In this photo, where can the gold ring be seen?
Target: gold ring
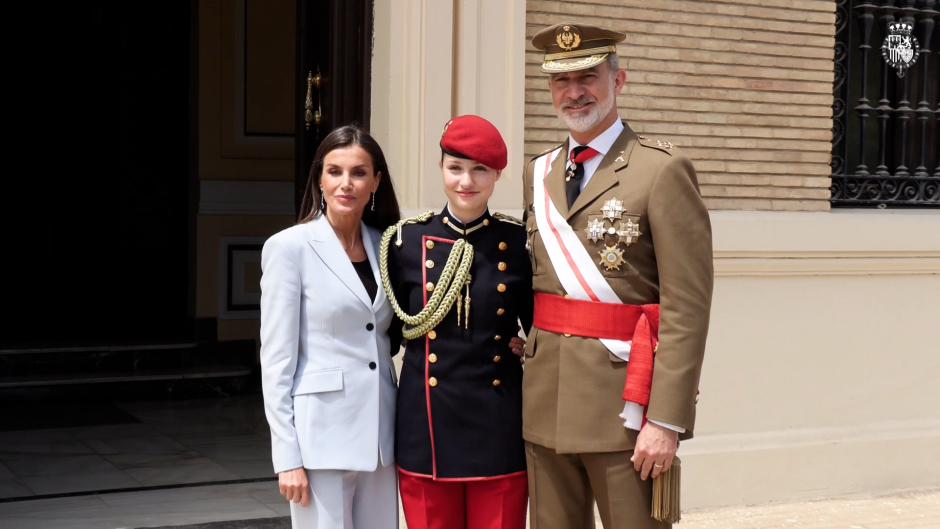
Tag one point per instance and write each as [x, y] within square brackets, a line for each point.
[657, 465]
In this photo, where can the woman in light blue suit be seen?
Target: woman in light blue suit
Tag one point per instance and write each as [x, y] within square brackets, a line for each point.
[327, 374]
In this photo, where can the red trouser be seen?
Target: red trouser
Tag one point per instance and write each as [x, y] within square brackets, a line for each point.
[498, 503]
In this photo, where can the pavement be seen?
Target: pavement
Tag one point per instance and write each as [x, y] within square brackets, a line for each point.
[908, 510]
[911, 510]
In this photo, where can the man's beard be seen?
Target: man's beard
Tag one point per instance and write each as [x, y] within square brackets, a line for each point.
[586, 122]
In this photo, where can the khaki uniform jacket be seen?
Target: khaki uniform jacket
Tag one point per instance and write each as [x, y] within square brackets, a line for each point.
[573, 386]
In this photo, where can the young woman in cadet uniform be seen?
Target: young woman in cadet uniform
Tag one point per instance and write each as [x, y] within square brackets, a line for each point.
[461, 281]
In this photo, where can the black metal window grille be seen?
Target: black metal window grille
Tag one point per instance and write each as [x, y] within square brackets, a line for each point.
[885, 140]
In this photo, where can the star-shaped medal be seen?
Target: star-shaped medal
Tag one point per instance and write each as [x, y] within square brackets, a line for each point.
[629, 231]
[613, 209]
[611, 257]
[595, 230]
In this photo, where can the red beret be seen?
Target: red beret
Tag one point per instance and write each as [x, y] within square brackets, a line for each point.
[475, 138]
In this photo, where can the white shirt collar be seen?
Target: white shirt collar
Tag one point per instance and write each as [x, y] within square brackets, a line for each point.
[603, 141]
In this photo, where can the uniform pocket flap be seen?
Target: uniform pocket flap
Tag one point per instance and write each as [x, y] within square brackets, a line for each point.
[319, 381]
[529, 350]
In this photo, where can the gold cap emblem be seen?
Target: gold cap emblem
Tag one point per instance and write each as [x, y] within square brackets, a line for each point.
[568, 37]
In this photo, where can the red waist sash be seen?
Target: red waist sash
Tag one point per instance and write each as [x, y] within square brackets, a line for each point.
[616, 321]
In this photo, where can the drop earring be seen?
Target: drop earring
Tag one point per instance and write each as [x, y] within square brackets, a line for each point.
[373, 201]
[322, 201]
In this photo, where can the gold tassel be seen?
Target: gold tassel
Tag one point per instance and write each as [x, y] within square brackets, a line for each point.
[459, 306]
[466, 319]
[665, 506]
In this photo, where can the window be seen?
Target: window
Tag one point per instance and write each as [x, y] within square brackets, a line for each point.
[885, 139]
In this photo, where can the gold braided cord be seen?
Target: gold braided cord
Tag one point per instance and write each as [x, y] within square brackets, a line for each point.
[454, 276]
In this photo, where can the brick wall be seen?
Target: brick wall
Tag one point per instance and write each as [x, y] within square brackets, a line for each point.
[743, 87]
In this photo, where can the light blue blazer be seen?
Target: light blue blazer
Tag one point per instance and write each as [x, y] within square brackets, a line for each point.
[327, 376]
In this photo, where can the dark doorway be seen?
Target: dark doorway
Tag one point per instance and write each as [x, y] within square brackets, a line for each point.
[335, 41]
[108, 256]
[104, 250]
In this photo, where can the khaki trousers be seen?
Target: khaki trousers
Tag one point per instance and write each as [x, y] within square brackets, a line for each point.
[564, 487]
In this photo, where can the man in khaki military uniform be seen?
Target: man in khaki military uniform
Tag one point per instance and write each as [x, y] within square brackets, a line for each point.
[620, 242]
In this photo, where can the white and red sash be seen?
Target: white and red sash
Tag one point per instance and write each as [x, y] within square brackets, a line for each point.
[575, 267]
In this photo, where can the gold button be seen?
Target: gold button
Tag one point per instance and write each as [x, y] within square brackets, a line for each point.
[432, 358]
[502, 266]
[429, 287]
[500, 311]
[497, 359]
[497, 337]
[486, 222]
[432, 334]
[445, 220]
[429, 245]
[432, 382]
[503, 246]
[429, 263]
[567, 335]
[501, 287]
[497, 382]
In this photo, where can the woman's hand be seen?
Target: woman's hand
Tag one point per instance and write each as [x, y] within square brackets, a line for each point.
[517, 346]
[294, 486]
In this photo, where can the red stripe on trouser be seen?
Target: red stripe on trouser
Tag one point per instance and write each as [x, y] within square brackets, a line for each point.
[491, 504]
[616, 321]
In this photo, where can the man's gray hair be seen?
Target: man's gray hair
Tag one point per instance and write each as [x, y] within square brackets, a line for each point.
[613, 62]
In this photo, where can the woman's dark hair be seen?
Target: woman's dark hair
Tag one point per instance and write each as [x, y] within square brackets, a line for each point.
[386, 205]
[455, 154]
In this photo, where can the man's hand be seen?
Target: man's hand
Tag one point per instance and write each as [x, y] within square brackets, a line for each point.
[294, 486]
[655, 448]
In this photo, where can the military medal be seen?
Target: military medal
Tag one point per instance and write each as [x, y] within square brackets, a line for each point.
[629, 231]
[611, 258]
[617, 226]
[595, 230]
[613, 209]
[569, 173]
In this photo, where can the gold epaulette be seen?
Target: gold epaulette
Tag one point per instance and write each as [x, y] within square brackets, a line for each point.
[666, 146]
[420, 218]
[417, 219]
[507, 218]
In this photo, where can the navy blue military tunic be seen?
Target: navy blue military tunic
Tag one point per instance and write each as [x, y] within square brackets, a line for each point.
[459, 411]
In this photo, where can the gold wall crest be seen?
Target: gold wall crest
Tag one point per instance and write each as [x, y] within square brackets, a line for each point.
[568, 37]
